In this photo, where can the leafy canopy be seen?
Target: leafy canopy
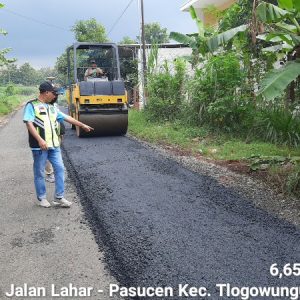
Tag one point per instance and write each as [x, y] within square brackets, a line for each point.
[155, 34]
[3, 52]
[89, 31]
[127, 41]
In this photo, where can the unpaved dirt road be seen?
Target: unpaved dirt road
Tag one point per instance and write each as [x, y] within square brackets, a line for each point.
[160, 224]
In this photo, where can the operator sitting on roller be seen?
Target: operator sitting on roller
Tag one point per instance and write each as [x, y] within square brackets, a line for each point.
[93, 71]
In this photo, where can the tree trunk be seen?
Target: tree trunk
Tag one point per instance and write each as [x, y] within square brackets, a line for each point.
[254, 23]
[291, 94]
[253, 53]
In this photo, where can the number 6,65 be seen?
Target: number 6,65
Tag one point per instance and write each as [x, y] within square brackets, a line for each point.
[287, 270]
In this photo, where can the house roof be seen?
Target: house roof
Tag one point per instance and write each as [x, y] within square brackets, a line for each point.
[167, 45]
[202, 4]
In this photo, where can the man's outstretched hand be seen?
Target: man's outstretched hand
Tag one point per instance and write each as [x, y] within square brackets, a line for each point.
[87, 128]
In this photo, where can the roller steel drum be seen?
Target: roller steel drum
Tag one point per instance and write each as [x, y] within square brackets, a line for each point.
[103, 124]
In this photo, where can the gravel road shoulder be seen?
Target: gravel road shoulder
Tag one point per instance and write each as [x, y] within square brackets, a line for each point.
[283, 206]
[41, 246]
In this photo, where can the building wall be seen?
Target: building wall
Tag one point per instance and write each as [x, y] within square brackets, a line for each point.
[170, 54]
[164, 55]
[209, 19]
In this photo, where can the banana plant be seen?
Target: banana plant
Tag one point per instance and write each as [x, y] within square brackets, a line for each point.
[206, 42]
[284, 33]
[196, 41]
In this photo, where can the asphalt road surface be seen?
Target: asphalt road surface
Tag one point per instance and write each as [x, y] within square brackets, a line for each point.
[160, 224]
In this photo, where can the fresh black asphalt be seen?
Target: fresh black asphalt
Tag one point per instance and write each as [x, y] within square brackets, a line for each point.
[161, 224]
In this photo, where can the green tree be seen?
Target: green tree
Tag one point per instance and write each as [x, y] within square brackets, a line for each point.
[3, 52]
[89, 31]
[7, 73]
[127, 40]
[61, 67]
[84, 31]
[155, 34]
[11, 73]
[27, 75]
[43, 73]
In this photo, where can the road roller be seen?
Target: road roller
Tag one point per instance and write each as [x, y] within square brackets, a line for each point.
[96, 93]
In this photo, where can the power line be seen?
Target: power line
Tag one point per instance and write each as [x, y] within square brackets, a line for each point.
[119, 18]
[34, 20]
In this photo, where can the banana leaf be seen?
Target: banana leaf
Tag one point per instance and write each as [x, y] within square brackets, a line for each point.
[277, 48]
[296, 5]
[286, 4]
[275, 37]
[265, 37]
[280, 37]
[200, 24]
[193, 13]
[276, 81]
[222, 38]
[288, 27]
[295, 38]
[183, 39]
[270, 13]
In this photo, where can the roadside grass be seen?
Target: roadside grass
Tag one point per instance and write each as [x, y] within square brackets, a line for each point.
[276, 164]
[20, 95]
[201, 140]
[9, 103]
[168, 133]
[235, 149]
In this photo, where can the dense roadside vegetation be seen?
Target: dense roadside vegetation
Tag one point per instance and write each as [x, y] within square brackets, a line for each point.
[241, 101]
[24, 74]
[12, 96]
[236, 98]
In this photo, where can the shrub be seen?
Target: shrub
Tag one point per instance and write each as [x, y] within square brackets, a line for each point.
[10, 90]
[166, 92]
[27, 91]
[278, 126]
[293, 181]
[218, 94]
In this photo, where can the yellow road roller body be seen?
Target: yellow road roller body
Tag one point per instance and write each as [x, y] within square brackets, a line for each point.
[100, 102]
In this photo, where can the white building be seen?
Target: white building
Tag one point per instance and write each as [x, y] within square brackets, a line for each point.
[166, 53]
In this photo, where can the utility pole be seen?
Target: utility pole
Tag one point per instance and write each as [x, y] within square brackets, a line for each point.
[8, 69]
[143, 48]
[143, 40]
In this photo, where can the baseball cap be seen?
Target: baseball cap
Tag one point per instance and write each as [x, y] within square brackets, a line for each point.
[93, 61]
[47, 87]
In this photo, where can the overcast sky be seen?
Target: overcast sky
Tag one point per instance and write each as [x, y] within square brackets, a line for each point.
[40, 45]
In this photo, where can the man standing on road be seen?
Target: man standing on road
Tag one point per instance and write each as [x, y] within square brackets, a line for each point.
[61, 131]
[41, 121]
